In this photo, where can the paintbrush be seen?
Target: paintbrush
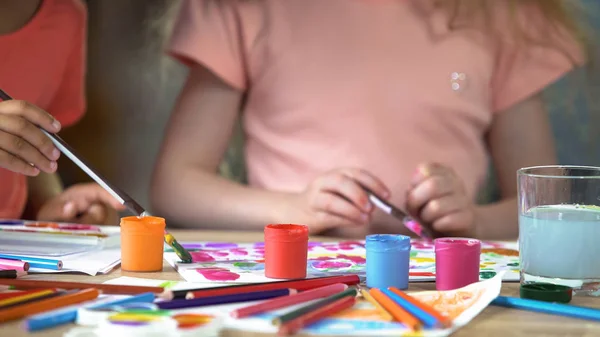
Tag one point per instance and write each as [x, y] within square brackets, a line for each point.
[118, 194]
[390, 209]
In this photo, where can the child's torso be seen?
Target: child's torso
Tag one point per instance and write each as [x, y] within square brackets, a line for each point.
[368, 84]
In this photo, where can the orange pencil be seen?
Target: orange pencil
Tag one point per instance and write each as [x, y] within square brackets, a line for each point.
[25, 297]
[423, 306]
[395, 310]
[27, 309]
[114, 289]
[384, 313]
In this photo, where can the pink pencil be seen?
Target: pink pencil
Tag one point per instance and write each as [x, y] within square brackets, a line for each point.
[286, 301]
[14, 265]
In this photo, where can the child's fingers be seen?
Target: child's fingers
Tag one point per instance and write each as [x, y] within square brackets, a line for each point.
[89, 193]
[432, 188]
[30, 112]
[438, 208]
[453, 223]
[327, 203]
[425, 171]
[330, 220]
[368, 180]
[347, 188]
[95, 214]
[16, 164]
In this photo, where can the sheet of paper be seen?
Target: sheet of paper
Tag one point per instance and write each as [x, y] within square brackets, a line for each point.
[244, 263]
[92, 263]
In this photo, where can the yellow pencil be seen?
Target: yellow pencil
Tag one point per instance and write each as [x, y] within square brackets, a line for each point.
[30, 296]
[384, 313]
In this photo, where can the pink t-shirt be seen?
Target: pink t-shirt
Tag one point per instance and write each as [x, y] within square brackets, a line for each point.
[43, 63]
[380, 85]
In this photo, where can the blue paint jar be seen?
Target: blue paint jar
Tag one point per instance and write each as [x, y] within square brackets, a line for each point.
[388, 261]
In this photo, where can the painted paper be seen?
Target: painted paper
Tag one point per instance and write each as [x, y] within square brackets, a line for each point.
[244, 263]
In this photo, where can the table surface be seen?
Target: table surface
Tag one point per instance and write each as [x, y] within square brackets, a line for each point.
[493, 321]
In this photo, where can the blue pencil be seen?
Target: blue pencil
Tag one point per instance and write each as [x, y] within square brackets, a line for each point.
[548, 307]
[427, 319]
[224, 299]
[35, 262]
[69, 314]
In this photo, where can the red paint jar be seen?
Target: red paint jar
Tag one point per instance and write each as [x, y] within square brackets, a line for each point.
[286, 251]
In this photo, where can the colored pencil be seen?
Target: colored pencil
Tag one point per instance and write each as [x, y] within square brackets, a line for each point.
[21, 298]
[300, 285]
[9, 294]
[217, 300]
[11, 274]
[395, 310]
[14, 265]
[425, 318]
[445, 321]
[35, 262]
[350, 292]
[69, 315]
[559, 309]
[287, 301]
[39, 298]
[384, 313]
[307, 319]
[48, 304]
[104, 288]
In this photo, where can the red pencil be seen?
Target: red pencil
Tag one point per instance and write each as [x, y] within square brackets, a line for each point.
[297, 324]
[300, 285]
[286, 301]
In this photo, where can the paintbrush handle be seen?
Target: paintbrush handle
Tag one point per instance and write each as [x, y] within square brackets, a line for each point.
[118, 194]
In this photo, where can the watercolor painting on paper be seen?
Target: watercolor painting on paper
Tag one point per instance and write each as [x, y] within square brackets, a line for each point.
[244, 262]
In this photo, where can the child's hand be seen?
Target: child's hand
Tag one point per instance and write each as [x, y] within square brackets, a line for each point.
[82, 203]
[437, 198]
[24, 148]
[335, 199]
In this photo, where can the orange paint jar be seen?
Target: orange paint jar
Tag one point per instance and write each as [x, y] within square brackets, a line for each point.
[286, 251]
[142, 243]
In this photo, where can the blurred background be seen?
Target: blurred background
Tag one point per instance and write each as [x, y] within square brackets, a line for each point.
[129, 102]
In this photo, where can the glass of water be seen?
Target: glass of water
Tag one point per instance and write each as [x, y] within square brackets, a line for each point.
[559, 226]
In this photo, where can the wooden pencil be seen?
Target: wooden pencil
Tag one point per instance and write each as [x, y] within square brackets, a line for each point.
[300, 285]
[395, 310]
[25, 297]
[309, 318]
[224, 299]
[384, 313]
[21, 311]
[445, 321]
[115, 289]
[286, 301]
[282, 319]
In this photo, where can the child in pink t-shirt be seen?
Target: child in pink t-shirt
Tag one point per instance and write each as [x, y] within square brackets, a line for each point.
[42, 62]
[409, 98]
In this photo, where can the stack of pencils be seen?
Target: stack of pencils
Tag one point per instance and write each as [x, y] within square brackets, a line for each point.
[13, 266]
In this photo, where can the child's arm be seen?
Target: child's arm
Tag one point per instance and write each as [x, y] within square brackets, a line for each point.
[519, 137]
[187, 189]
[185, 186]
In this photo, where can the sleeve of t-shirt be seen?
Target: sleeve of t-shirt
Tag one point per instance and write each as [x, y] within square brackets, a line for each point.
[526, 67]
[69, 103]
[209, 33]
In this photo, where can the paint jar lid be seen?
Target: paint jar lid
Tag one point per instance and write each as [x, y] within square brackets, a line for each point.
[456, 245]
[143, 225]
[547, 292]
[387, 243]
[286, 232]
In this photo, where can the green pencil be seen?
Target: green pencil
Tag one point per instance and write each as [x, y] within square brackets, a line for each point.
[311, 307]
